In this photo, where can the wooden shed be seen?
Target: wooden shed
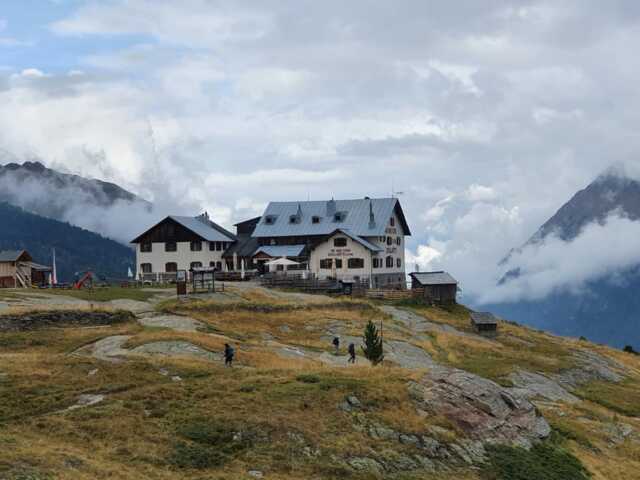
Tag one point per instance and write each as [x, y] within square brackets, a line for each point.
[17, 270]
[484, 323]
[439, 287]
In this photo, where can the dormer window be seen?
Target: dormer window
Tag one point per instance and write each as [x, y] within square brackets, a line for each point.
[339, 216]
[270, 219]
[315, 219]
[340, 242]
[294, 219]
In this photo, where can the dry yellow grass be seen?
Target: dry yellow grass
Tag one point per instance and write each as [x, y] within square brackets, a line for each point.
[132, 434]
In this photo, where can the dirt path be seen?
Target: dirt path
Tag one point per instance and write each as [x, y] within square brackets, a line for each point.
[418, 324]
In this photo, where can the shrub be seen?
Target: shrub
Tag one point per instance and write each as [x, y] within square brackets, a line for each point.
[190, 455]
[308, 378]
[630, 349]
[544, 461]
[209, 444]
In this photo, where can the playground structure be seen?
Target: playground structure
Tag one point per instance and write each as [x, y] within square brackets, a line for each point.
[85, 280]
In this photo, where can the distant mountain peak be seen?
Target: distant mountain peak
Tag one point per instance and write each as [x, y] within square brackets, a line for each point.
[606, 308]
[612, 191]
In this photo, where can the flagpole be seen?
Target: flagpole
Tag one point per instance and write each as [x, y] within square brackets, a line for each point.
[54, 273]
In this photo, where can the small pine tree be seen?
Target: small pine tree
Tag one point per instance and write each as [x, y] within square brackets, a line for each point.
[372, 348]
[630, 349]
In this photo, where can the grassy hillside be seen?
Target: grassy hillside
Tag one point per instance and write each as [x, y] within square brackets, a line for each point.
[286, 409]
[76, 249]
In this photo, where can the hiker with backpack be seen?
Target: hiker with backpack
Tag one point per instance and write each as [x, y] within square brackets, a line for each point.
[228, 355]
[336, 344]
[352, 353]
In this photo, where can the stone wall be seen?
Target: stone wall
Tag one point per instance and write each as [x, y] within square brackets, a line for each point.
[61, 318]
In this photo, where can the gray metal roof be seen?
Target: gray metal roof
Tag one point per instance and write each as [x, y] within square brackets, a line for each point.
[360, 240]
[208, 230]
[40, 268]
[242, 247]
[12, 255]
[281, 250]
[483, 318]
[434, 278]
[356, 217]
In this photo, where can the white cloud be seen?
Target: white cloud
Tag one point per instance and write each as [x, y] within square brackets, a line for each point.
[32, 72]
[422, 259]
[192, 23]
[272, 179]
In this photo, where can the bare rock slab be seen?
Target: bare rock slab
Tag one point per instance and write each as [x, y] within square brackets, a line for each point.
[173, 349]
[87, 401]
[173, 322]
[486, 411]
[535, 385]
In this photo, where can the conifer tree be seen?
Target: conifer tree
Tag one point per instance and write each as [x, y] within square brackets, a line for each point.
[372, 348]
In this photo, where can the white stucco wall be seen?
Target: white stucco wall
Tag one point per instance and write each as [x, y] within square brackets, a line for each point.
[352, 250]
[396, 251]
[183, 256]
[356, 250]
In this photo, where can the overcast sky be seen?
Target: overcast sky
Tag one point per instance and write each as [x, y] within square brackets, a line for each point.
[487, 115]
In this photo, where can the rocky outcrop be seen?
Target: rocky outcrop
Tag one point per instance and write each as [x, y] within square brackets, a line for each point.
[484, 410]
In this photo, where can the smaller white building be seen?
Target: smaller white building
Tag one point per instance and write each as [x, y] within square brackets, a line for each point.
[180, 243]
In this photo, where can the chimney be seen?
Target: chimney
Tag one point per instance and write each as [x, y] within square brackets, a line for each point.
[372, 218]
[331, 208]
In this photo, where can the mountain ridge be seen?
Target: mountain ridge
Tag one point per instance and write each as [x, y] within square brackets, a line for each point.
[77, 249]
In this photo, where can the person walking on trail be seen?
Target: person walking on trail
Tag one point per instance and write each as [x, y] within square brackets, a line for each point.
[228, 355]
[336, 344]
[352, 353]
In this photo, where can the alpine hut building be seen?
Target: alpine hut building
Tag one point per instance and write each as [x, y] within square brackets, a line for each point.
[350, 240]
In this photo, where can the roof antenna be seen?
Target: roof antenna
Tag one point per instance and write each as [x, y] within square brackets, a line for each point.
[393, 192]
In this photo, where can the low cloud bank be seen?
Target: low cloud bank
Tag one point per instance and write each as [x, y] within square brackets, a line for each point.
[120, 220]
[555, 265]
[469, 233]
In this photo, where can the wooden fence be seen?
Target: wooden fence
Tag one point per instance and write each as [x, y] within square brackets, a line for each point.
[388, 294]
[309, 284]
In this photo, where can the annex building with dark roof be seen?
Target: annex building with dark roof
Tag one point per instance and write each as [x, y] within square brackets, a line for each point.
[180, 243]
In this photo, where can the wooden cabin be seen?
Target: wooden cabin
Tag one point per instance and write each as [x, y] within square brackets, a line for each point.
[439, 287]
[484, 323]
[17, 270]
